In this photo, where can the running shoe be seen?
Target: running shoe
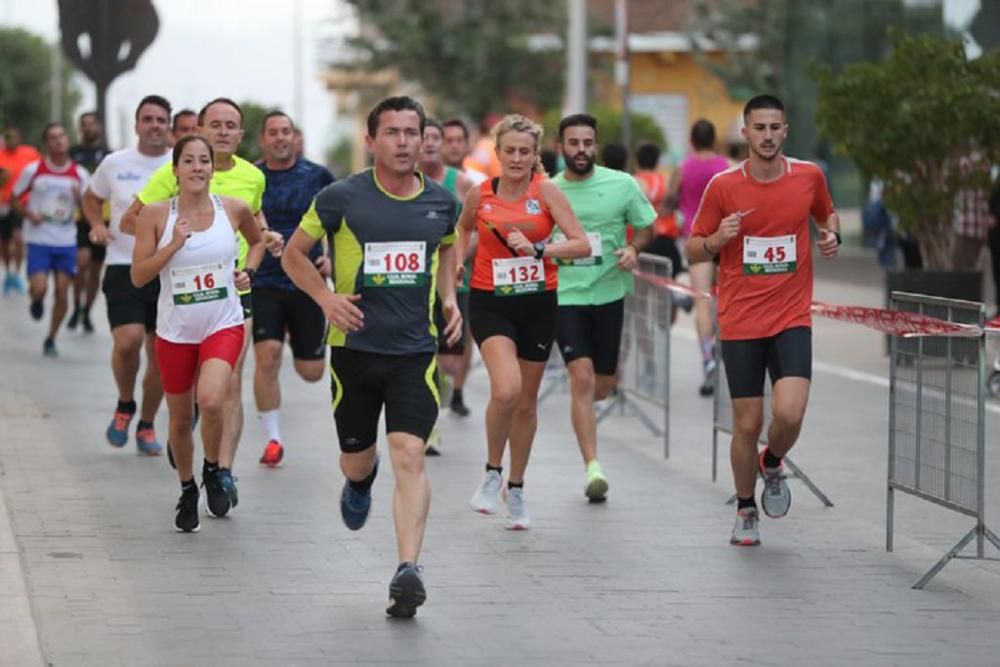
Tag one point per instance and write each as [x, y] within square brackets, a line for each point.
[776, 498]
[707, 387]
[486, 499]
[406, 591]
[186, 520]
[228, 484]
[432, 448]
[117, 433]
[19, 285]
[355, 505]
[517, 512]
[458, 406]
[597, 484]
[273, 454]
[217, 500]
[74, 319]
[145, 440]
[88, 326]
[37, 309]
[49, 348]
[8, 283]
[745, 533]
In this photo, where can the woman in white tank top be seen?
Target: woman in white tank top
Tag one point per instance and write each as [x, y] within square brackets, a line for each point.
[190, 242]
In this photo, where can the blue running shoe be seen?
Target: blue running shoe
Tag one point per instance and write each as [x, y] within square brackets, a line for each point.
[145, 440]
[228, 485]
[8, 283]
[117, 433]
[355, 505]
[406, 591]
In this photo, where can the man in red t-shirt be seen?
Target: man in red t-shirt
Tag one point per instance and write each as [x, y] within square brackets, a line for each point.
[755, 217]
[14, 157]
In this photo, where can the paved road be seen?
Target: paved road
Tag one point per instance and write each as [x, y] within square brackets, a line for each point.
[646, 579]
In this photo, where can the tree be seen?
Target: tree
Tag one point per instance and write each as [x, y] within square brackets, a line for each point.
[26, 85]
[906, 120]
[471, 56]
[253, 116]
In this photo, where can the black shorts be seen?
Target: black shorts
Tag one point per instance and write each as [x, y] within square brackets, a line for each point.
[277, 311]
[664, 246]
[594, 332]
[246, 301]
[97, 252]
[463, 307]
[128, 304]
[362, 382]
[8, 224]
[527, 319]
[787, 354]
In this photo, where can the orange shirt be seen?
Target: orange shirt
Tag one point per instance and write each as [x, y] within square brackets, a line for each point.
[654, 186]
[15, 161]
[766, 272]
[528, 215]
[483, 157]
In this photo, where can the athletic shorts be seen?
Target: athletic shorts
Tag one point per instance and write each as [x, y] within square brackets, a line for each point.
[276, 311]
[97, 252]
[664, 246]
[179, 362]
[594, 332]
[463, 306]
[128, 304]
[527, 319]
[787, 354]
[246, 301]
[8, 224]
[46, 258]
[363, 382]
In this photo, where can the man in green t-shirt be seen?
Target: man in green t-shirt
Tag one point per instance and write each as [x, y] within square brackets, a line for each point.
[592, 289]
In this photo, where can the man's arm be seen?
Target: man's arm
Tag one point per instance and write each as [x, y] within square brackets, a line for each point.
[130, 217]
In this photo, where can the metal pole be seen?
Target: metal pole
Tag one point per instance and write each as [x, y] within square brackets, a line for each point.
[622, 70]
[576, 58]
[55, 83]
[890, 499]
[297, 105]
[981, 436]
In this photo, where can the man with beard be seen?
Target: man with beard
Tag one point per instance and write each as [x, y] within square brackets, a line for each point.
[592, 289]
[280, 307]
[755, 217]
[131, 310]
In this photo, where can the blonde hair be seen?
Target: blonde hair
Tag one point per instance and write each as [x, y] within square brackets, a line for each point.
[518, 123]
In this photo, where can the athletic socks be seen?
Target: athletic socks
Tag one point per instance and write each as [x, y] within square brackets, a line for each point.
[364, 484]
[512, 485]
[498, 469]
[127, 407]
[143, 425]
[743, 503]
[271, 424]
[770, 460]
[707, 349]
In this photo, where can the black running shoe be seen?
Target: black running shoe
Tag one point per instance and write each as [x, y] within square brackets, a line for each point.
[74, 319]
[49, 348]
[88, 326]
[459, 408]
[217, 500]
[228, 484]
[186, 520]
[406, 591]
[37, 309]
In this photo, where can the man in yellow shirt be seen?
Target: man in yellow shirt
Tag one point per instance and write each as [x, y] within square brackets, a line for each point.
[221, 122]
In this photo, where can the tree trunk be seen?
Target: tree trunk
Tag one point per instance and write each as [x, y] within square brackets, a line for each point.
[934, 238]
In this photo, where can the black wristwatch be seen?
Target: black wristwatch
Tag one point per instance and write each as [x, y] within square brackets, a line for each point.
[250, 273]
[839, 240]
[539, 249]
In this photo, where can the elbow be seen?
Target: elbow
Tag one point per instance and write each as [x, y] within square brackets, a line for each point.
[136, 277]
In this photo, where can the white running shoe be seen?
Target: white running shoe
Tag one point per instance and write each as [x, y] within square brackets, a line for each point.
[486, 499]
[745, 532]
[517, 512]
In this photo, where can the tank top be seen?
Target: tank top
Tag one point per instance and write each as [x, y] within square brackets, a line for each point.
[197, 288]
[496, 267]
[450, 181]
[695, 175]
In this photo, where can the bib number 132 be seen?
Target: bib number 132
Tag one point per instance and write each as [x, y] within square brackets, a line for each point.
[518, 275]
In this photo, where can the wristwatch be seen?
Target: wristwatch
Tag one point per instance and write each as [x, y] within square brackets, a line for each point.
[539, 249]
[250, 273]
[839, 240]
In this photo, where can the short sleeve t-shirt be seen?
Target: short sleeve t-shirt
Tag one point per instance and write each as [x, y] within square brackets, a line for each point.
[766, 272]
[14, 161]
[244, 181]
[605, 204]
[118, 179]
[53, 193]
[385, 249]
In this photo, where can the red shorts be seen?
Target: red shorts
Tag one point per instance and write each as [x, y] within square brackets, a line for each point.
[179, 362]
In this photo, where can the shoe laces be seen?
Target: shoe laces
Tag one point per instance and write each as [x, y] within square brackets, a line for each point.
[772, 480]
[750, 518]
[515, 501]
[122, 420]
[492, 483]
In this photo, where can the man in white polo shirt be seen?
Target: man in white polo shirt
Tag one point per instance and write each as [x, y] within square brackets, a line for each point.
[131, 310]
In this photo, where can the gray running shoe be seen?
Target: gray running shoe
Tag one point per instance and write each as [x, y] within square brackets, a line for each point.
[745, 533]
[486, 499]
[517, 512]
[776, 498]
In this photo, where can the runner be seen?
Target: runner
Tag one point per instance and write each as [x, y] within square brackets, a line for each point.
[279, 307]
[221, 123]
[450, 358]
[52, 185]
[131, 311]
[686, 189]
[189, 243]
[755, 218]
[185, 123]
[455, 148]
[89, 257]
[393, 233]
[513, 303]
[14, 157]
[592, 289]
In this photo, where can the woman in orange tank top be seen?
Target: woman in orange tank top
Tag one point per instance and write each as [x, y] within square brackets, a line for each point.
[512, 303]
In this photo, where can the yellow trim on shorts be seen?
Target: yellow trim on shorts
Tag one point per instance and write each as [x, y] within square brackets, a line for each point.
[339, 395]
[429, 379]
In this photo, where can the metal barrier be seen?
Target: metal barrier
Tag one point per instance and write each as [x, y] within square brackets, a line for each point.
[722, 421]
[937, 421]
[644, 359]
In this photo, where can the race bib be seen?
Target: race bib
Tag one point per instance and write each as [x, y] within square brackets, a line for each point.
[766, 255]
[402, 264]
[199, 284]
[518, 275]
[595, 257]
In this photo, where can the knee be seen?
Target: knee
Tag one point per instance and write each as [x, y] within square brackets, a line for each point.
[505, 397]
[525, 412]
[583, 381]
[129, 345]
[211, 403]
[180, 424]
[311, 372]
[749, 426]
[268, 361]
[409, 459]
[604, 387]
[788, 414]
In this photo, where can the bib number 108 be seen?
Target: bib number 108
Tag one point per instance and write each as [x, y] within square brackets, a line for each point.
[401, 262]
